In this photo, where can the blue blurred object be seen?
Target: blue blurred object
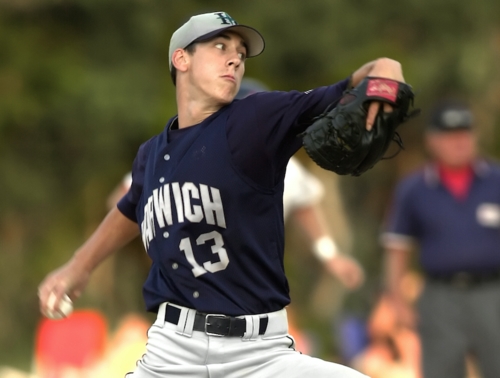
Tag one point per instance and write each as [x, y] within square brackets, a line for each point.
[352, 334]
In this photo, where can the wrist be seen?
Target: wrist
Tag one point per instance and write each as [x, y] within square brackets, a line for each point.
[325, 248]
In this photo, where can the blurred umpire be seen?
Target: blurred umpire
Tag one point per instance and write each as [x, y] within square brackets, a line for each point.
[449, 211]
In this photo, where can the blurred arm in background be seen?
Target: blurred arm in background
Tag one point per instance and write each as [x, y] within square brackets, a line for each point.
[301, 200]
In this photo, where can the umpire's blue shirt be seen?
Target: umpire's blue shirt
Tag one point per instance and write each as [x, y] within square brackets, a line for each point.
[452, 235]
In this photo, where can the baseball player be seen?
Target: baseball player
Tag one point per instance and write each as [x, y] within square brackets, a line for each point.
[207, 201]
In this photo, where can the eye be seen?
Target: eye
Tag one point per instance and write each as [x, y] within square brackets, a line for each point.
[242, 56]
[220, 46]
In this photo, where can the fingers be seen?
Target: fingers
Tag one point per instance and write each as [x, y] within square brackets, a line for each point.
[50, 294]
[52, 290]
[372, 114]
[347, 271]
[373, 110]
[389, 68]
[355, 278]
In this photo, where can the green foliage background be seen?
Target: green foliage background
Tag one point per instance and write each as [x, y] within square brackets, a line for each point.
[83, 83]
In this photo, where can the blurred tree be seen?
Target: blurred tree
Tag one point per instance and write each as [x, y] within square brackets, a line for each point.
[83, 83]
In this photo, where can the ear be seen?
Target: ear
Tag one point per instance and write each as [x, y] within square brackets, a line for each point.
[180, 60]
[430, 142]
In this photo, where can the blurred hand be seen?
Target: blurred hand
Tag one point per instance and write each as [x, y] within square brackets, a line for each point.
[405, 314]
[69, 279]
[347, 270]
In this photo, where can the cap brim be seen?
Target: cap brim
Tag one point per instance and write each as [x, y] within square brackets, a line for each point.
[253, 39]
[447, 129]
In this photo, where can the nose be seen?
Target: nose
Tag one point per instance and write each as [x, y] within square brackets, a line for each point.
[234, 61]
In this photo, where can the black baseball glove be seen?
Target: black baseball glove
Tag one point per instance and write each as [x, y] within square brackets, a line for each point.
[338, 141]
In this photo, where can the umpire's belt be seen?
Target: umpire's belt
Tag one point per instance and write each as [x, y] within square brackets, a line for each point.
[465, 280]
[214, 324]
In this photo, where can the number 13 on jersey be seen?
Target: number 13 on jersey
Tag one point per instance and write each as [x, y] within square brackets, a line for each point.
[217, 248]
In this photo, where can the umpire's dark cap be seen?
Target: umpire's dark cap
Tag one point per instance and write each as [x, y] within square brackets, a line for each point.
[450, 115]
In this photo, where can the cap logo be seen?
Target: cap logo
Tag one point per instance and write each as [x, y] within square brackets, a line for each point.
[456, 118]
[225, 18]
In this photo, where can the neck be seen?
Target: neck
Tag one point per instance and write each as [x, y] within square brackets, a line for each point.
[454, 168]
[194, 111]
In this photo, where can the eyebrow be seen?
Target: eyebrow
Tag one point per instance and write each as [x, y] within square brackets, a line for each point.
[227, 37]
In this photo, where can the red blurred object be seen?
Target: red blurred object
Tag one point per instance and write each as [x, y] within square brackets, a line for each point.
[76, 342]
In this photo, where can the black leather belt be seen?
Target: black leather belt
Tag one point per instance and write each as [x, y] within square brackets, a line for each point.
[465, 279]
[214, 324]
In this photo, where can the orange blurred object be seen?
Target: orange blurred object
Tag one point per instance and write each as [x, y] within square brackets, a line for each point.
[394, 349]
[76, 343]
[125, 346]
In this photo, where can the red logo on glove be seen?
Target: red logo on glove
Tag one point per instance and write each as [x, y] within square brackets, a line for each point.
[382, 88]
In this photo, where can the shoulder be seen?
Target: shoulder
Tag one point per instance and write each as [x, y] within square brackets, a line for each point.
[491, 165]
[146, 146]
[146, 149]
[413, 182]
[258, 98]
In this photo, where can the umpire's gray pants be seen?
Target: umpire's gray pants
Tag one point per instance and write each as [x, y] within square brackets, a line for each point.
[455, 322]
[178, 351]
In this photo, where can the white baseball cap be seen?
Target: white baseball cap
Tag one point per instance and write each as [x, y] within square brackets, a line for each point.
[205, 26]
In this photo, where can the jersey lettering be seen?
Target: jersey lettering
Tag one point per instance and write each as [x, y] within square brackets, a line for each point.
[178, 201]
[192, 203]
[212, 206]
[163, 211]
[193, 212]
[147, 225]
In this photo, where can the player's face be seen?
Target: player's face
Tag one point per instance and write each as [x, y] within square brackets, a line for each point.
[217, 67]
[454, 149]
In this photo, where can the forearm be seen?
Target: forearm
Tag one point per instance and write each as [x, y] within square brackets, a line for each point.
[114, 232]
[312, 221]
[396, 265]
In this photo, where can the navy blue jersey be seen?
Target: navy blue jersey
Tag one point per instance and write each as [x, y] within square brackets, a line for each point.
[209, 203]
[452, 235]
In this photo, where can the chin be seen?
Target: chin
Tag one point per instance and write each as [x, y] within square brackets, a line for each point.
[226, 98]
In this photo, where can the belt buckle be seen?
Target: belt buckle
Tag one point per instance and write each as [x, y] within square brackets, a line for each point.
[220, 316]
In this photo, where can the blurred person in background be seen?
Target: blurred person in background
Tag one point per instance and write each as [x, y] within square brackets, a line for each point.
[450, 212]
[393, 349]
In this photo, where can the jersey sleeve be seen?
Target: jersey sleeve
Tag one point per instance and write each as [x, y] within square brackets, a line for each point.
[401, 228]
[302, 188]
[127, 205]
[263, 128]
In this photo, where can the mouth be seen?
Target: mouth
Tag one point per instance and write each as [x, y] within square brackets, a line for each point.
[229, 77]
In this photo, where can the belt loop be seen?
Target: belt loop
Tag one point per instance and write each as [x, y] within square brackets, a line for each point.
[160, 319]
[186, 322]
[277, 324]
[252, 327]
